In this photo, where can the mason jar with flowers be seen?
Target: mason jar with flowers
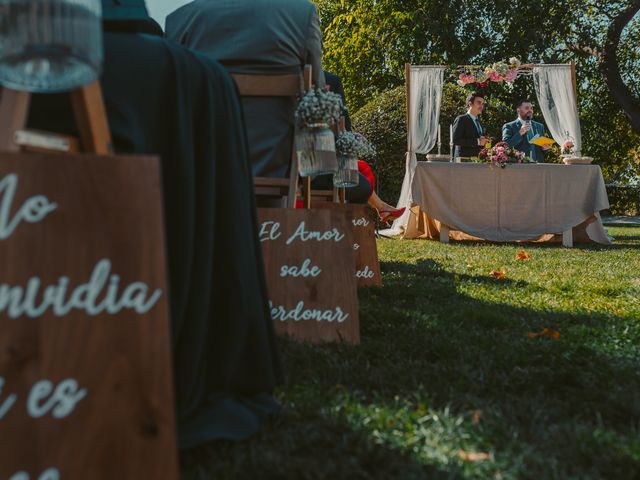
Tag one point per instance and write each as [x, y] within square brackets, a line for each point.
[351, 147]
[315, 142]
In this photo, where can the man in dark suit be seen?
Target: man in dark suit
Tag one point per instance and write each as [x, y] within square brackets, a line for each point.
[259, 37]
[518, 133]
[335, 85]
[468, 134]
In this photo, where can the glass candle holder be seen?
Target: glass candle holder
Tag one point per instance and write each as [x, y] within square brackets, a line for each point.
[50, 46]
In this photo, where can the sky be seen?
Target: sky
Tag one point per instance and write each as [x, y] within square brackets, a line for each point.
[159, 9]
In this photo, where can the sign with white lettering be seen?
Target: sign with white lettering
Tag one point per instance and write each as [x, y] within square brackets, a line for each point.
[310, 273]
[85, 373]
[362, 220]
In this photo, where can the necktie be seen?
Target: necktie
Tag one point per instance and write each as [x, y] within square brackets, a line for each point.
[530, 133]
[478, 126]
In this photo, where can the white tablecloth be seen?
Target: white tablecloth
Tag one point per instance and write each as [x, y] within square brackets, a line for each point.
[518, 202]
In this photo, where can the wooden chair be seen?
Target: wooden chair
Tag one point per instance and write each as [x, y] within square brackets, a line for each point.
[287, 85]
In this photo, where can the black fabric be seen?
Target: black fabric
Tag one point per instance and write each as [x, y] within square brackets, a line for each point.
[335, 86]
[164, 99]
[465, 137]
[128, 16]
[358, 194]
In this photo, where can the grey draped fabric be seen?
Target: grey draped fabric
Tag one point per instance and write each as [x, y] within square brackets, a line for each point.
[263, 37]
[558, 103]
[424, 114]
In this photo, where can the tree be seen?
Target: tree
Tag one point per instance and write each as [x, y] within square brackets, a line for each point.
[607, 57]
[368, 41]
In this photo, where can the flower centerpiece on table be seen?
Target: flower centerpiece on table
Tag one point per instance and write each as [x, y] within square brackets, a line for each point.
[568, 147]
[315, 142]
[501, 153]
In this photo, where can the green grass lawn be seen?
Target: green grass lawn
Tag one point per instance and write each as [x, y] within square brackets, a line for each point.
[447, 383]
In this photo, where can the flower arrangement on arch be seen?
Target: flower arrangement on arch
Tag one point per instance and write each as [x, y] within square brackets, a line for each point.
[498, 72]
[354, 145]
[319, 106]
[500, 154]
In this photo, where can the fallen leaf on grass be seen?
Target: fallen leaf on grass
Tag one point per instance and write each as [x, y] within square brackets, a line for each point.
[554, 334]
[545, 333]
[522, 255]
[473, 456]
[499, 274]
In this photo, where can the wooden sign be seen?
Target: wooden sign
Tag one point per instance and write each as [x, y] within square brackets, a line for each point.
[85, 373]
[310, 274]
[362, 219]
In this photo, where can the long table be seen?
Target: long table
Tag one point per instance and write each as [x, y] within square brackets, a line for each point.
[521, 202]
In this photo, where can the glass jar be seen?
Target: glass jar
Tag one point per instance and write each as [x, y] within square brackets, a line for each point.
[50, 45]
[347, 174]
[316, 150]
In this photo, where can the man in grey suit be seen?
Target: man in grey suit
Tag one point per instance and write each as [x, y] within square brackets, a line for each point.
[518, 133]
[262, 37]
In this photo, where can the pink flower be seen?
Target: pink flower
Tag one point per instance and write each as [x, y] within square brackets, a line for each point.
[495, 77]
[466, 78]
[511, 75]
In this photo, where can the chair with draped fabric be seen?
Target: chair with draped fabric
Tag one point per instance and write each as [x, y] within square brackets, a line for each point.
[286, 85]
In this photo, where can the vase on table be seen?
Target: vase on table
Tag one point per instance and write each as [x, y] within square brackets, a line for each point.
[316, 150]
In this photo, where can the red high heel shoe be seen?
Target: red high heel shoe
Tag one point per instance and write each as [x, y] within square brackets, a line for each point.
[387, 215]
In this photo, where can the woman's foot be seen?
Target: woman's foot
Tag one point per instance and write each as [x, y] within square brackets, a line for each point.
[390, 214]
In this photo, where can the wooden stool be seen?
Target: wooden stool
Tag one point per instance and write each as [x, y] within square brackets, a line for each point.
[90, 116]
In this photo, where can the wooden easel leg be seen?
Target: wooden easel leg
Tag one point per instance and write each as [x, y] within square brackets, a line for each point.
[14, 109]
[307, 192]
[293, 177]
[343, 195]
[91, 119]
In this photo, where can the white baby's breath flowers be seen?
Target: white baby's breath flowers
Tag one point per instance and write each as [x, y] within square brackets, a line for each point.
[354, 145]
[317, 107]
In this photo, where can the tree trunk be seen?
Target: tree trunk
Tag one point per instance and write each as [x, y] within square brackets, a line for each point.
[610, 69]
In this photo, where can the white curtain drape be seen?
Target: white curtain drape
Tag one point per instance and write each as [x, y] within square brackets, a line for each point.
[425, 96]
[558, 103]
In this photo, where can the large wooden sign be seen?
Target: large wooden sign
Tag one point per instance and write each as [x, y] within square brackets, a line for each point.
[362, 219]
[310, 274]
[85, 374]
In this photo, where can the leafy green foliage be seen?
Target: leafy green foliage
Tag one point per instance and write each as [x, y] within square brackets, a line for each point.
[368, 42]
[383, 122]
[446, 366]
[624, 199]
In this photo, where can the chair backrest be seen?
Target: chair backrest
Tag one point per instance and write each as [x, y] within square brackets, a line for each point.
[286, 85]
